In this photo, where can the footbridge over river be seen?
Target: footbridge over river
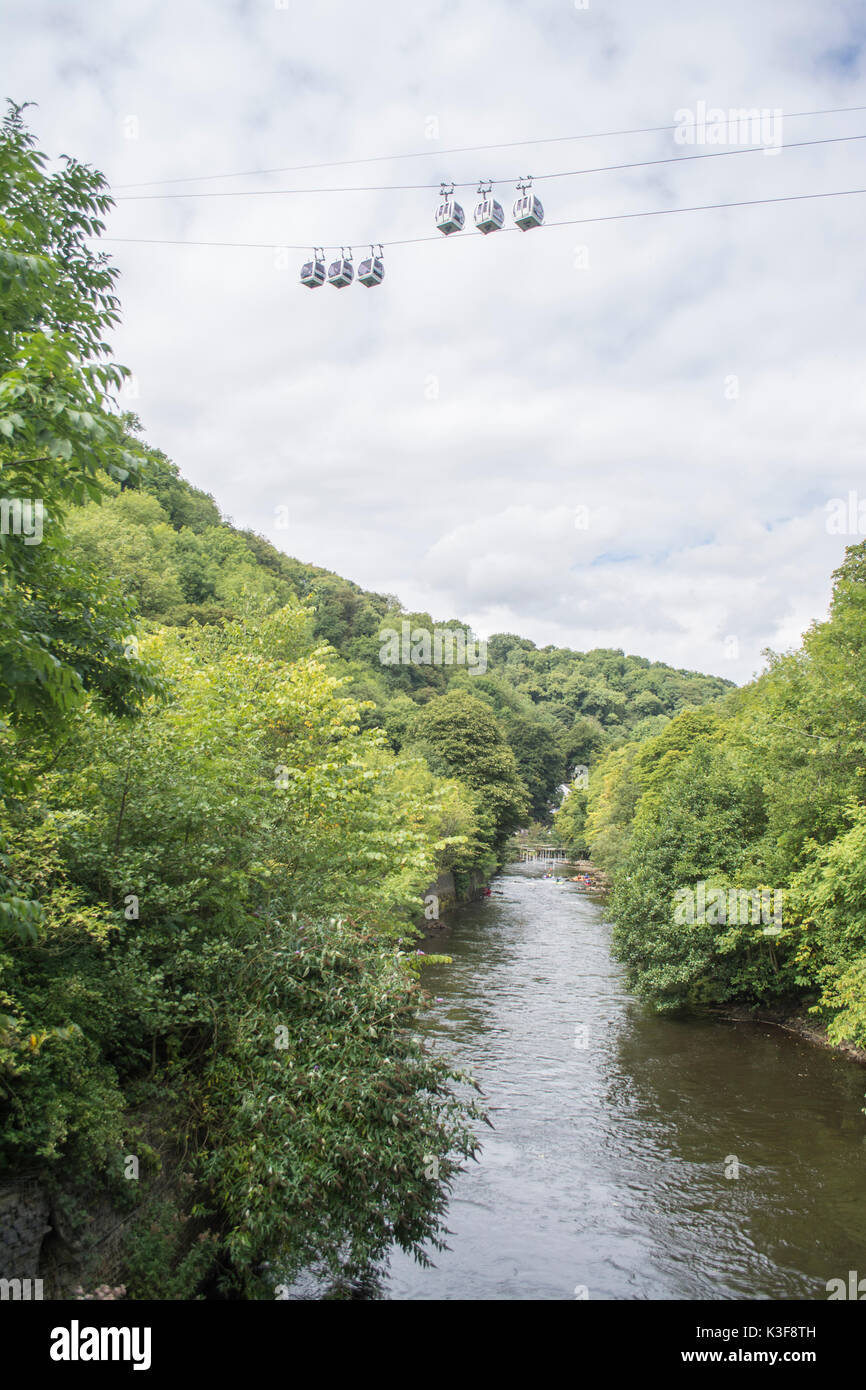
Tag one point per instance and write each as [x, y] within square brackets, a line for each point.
[543, 854]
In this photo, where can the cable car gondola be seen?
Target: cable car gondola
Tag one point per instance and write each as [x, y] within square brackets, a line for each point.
[372, 270]
[527, 210]
[449, 214]
[489, 216]
[341, 272]
[313, 272]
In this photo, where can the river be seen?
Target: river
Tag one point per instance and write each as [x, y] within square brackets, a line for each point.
[610, 1173]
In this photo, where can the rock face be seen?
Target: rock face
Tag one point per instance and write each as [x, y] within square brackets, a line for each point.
[599, 880]
[24, 1224]
[444, 891]
[75, 1239]
[36, 1243]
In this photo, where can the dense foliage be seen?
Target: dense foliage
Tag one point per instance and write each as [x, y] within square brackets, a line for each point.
[230, 866]
[61, 624]
[209, 866]
[761, 793]
[165, 544]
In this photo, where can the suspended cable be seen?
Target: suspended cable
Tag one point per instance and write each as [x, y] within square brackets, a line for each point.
[413, 241]
[467, 149]
[471, 183]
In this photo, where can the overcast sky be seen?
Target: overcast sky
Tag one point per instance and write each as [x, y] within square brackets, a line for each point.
[617, 434]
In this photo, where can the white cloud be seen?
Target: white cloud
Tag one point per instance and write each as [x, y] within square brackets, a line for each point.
[697, 385]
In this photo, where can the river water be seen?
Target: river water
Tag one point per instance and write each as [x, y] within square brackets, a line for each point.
[610, 1171]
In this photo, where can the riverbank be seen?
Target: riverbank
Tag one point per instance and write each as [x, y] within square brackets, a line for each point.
[577, 871]
[799, 1023]
[445, 894]
[599, 880]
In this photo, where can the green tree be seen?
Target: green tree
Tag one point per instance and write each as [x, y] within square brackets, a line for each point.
[61, 632]
[460, 737]
[569, 823]
[538, 754]
[273, 854]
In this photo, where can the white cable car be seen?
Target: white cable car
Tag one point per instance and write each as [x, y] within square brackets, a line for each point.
[527, 210]
[313, 273]
[372, 270]
[489, 216]
[449, 214]
[341, 272]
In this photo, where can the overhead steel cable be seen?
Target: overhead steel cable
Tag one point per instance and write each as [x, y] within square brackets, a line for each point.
[471, 149]
[413, 241]
[472, 183]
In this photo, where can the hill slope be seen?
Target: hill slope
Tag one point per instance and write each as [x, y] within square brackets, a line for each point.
[181, 563]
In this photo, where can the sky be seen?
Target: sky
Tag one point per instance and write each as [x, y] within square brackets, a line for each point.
[630, 433]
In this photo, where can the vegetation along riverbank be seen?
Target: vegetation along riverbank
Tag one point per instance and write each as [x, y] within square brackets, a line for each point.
[754, 799]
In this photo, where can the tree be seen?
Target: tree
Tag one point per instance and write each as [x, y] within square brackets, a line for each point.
[460, 737]
[695, 827]
[569, 823]
[273, 854]
[539, 760]
[61, 631]
[64, 631]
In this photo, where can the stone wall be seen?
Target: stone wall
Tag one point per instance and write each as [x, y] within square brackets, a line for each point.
[36, 1242]
[446, 891]
[75, 1241]
[24, 1224]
